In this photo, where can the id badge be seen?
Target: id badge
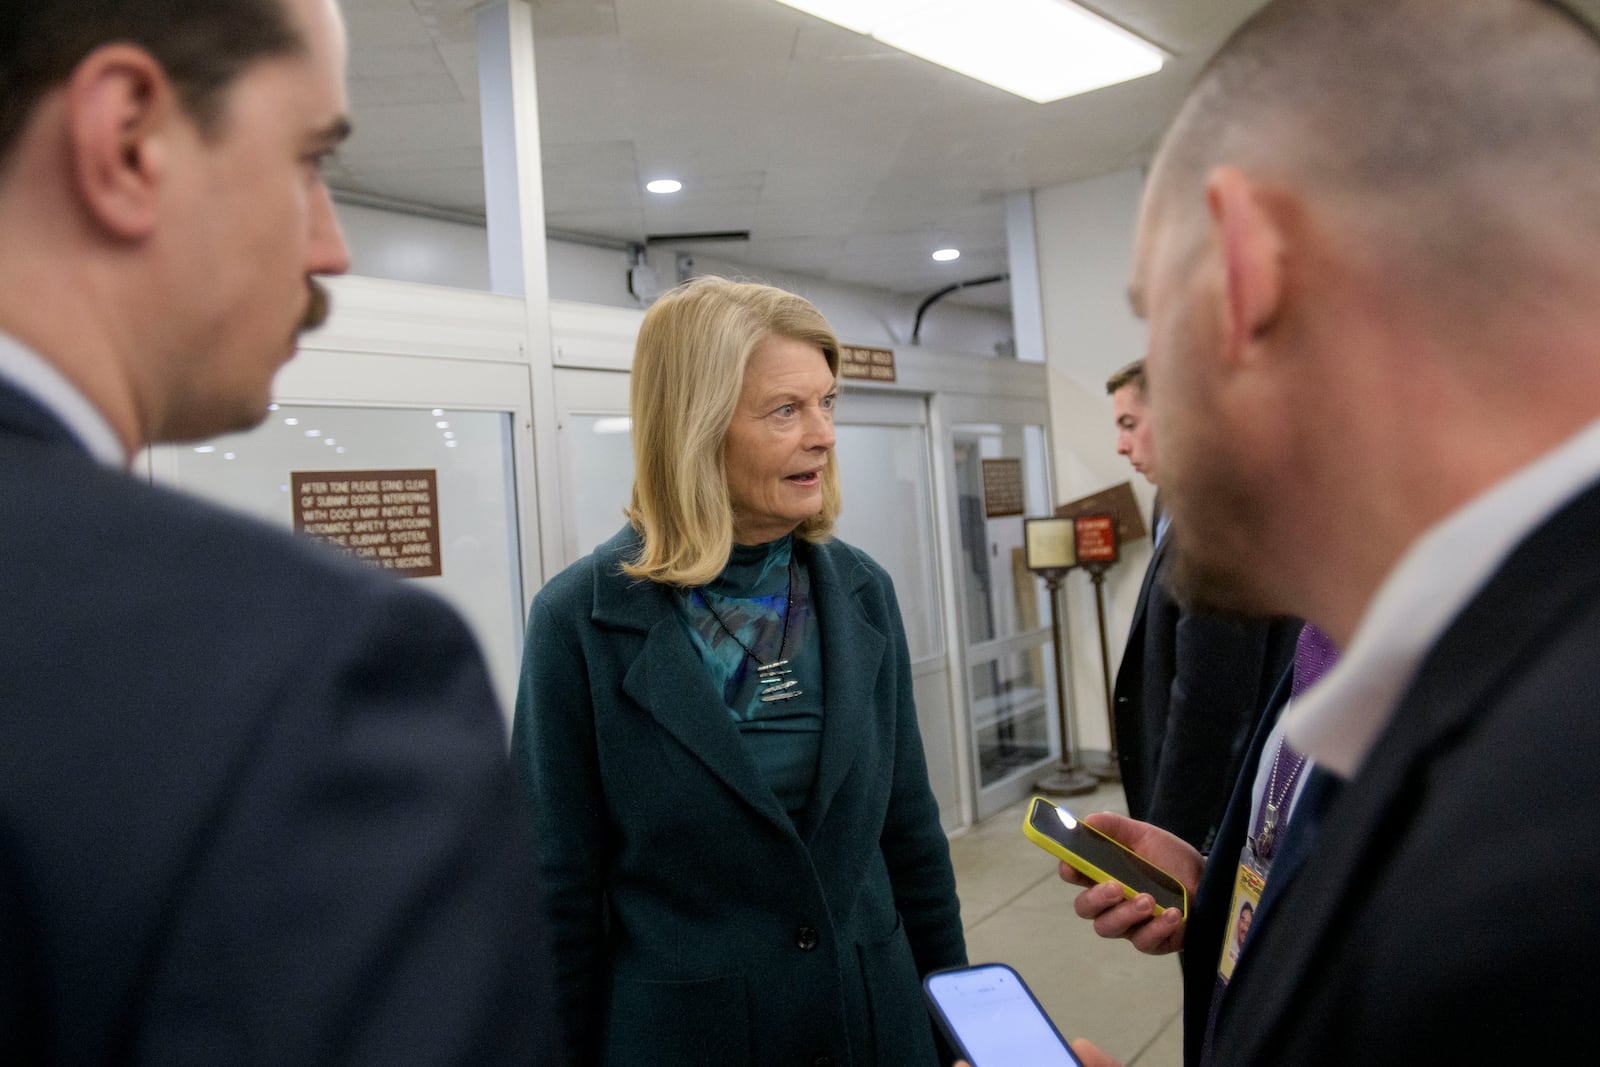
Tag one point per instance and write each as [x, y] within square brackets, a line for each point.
[1241, 912]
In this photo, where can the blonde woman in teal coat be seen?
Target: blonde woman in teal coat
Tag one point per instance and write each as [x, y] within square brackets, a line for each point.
[742, 856]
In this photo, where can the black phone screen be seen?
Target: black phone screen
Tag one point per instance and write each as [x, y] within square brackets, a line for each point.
[995, 1020]
[1133, 871]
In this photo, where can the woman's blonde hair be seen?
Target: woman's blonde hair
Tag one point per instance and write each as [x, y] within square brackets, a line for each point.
[688, 371]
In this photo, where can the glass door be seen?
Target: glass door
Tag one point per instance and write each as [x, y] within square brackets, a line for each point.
[423, 470]
[595, 444]
[886, 477]
[999, 476]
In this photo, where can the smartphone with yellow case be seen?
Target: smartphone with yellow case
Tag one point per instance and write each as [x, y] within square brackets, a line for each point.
[1064, 836]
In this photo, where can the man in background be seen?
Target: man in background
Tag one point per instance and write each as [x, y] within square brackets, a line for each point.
[1368, 255]
[1192, 684]
[254, 804]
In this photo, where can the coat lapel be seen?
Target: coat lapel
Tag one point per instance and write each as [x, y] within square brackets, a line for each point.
[853, 654]
[668, 680]
[1150, 574]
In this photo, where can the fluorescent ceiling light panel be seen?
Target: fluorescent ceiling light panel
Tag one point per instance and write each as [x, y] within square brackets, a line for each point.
[1042, 50]
[863, 16]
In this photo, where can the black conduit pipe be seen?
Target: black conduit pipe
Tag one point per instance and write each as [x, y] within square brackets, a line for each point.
[916, 329]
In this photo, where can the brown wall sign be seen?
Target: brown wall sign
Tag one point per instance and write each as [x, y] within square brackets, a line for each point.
[872, 364]
[388, 517]
[1002, 488]
[1118, 502]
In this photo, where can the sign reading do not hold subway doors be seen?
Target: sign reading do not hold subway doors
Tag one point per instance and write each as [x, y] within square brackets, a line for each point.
[388, 517]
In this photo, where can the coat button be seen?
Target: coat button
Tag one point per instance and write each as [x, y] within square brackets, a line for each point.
[805, 938]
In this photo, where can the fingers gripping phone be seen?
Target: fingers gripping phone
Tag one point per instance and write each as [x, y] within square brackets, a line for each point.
[993, 1019]
[1060, 833]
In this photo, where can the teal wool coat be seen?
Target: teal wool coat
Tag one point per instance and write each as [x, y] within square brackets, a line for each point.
[692, 924]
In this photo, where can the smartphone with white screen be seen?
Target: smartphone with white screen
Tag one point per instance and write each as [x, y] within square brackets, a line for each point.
[993, 1019]
[1060, 833]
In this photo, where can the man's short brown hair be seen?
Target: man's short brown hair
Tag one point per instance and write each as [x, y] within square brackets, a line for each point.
[1132, 374]
[202, 44]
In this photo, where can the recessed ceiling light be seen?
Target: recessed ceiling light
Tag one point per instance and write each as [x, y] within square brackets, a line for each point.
[1042, 50]
[945, 255]
[664, 185]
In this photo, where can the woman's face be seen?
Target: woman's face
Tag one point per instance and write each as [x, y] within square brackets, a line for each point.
[779, 440]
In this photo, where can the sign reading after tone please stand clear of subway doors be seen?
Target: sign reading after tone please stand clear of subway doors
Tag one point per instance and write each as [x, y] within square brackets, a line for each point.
[388, 517]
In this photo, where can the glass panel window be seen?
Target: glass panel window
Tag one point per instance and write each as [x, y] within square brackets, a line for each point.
[888, 513]
[1011, 711]
[1003, 598]
[471, 453]
[597, 454]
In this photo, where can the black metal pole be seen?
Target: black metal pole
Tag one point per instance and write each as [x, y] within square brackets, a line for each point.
[1111, 770]
[1066, 780]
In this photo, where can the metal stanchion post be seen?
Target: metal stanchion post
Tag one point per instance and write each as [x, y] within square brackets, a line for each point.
[1066, 779]
[1111, 769]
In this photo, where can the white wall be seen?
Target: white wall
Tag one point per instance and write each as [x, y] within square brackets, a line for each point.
[413, 248]
[1085, 252]
[409, 248]
[589, 275]
[874, 317]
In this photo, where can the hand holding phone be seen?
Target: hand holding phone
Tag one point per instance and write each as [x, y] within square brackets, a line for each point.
[993, 1019]
[1087, 850]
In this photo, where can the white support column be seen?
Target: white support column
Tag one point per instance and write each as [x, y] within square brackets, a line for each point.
[514, 193]
[1085, 231]
[1022, 250]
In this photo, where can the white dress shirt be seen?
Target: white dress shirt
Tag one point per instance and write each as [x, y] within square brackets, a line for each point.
[1338, 720]
[23, 369]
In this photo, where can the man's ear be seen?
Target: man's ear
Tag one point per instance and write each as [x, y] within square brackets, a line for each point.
[120, 107]
[1252, 246]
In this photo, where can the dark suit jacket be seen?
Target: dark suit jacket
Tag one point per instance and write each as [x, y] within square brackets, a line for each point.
[692, 923]
[254, 806]
[1207, 922]
[1444, 913]
[1188, 694]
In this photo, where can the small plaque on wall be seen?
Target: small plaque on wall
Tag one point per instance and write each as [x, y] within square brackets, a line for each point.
[868, 364]
[388, 517]
[1002, 488]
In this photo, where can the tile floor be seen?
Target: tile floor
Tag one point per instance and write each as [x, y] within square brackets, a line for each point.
[1018, 911]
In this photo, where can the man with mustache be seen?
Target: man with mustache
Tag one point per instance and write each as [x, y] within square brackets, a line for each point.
[1368, 255]
[254, 804]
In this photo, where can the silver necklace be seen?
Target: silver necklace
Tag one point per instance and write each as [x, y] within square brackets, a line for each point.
[770, 678]
[1266, 842]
